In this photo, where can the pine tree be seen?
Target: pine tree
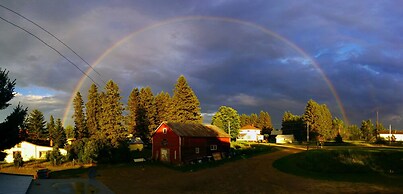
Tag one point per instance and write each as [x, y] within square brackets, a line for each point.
[227, 119]
[52, 128]
[254, 119]
[185, 105]
[146, 121]
[112, 121]
[245, 120]
[264, 120]
[132, 107]
[163, 106]
[9, 129]
[60, 135]
[92, 108]
[80, 127]
[36, 126]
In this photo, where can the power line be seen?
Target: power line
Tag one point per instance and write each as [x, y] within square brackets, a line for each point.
[30, 33]
[55, 38]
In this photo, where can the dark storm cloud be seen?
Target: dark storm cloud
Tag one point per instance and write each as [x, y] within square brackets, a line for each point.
[356, 43]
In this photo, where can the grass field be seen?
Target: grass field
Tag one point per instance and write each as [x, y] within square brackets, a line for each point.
[375, 165]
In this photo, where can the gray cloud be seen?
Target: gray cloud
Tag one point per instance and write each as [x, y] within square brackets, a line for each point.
[356, 43]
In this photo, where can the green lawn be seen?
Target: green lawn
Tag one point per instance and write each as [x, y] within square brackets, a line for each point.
[375, 165]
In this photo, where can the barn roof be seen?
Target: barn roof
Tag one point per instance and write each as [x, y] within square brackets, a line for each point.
[250, 127]
[196, 130]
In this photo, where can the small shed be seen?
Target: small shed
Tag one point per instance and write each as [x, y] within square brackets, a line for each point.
[284, 138]
[179, 143]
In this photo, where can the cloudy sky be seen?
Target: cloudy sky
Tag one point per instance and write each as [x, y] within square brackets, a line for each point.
[250, 55]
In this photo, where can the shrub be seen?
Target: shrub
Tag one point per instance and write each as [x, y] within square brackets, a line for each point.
[18, 161]
[54, 156]
[338, 138]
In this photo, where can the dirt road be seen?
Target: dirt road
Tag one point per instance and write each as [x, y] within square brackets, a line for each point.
[253, 175]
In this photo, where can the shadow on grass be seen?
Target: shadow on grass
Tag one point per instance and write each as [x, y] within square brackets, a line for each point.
[368, 166]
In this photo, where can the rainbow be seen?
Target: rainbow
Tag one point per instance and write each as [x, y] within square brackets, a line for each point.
[221, 19]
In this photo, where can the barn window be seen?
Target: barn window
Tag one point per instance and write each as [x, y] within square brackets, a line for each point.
[213, 147]
[164, 130]
[164, 142]
[197, 150]
[175, 155]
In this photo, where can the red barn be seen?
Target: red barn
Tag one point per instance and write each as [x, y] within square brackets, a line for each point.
[179, 143]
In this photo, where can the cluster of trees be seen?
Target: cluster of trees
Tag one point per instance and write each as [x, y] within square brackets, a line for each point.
[228, 119]
[102, 125]
[318, 119]
[10, 128]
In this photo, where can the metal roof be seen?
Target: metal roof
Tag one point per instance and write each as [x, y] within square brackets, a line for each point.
[10, 183]
[196, 130]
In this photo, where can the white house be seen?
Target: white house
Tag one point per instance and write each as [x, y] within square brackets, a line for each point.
[29, 151]
[397, 135]
[249, 133]
[284, 138]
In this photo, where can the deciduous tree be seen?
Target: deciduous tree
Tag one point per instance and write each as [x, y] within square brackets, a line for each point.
[227, 119]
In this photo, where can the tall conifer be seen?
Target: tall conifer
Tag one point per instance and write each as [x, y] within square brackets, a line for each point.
[112, 115]
[163, 106]
[146, 122]
[132, 108]
[80, 127]
[93, 110]
[185, 105]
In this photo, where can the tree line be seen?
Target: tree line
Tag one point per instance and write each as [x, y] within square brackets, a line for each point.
[318, 119]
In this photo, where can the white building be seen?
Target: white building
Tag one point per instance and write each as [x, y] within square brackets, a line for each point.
[249, 133]
[398, 136]
[284, 138]
[29, 151]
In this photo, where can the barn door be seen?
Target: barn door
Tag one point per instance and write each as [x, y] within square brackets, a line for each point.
[165, 155]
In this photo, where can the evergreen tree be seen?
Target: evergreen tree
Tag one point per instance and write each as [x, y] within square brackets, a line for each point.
[60, 135]
[132, 107]
[10, 128]
[254, 119]
[264, 121]
[80, 126]
[227, 119]
[366, 128]
[185, 105]
[338, 127]
[51, 128]
[112, 121]
[36, 126]
[163, 107]
[244, 119]
[92, 108]
[69, 130]
[355, 132]
[146, 122]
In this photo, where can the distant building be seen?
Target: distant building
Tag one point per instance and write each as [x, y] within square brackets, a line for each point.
[284, 138]
[250, 133]
[136, 143]
[29, 151]
[392, 135]
[179, 143]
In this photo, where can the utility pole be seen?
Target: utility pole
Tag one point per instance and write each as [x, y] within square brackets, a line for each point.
[390, 134]
[229, 130]
[307, 136]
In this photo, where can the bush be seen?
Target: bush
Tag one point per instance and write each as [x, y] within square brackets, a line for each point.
[54, 156]
[338, 138]
[18, 161]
